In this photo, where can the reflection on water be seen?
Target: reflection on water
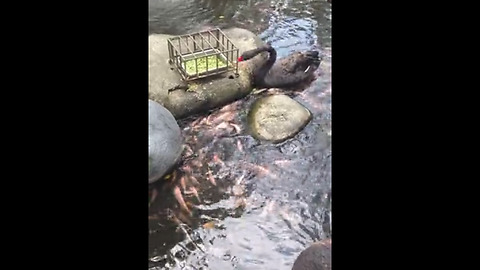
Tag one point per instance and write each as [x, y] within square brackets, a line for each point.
[270, 201]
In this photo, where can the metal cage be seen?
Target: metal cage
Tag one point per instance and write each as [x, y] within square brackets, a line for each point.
[202, 54]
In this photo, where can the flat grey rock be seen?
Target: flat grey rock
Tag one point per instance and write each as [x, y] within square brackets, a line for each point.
[203, 94]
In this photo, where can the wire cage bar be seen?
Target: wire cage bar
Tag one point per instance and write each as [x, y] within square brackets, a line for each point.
[202, 54]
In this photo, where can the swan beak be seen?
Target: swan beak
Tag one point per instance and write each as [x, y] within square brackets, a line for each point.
[308, 68]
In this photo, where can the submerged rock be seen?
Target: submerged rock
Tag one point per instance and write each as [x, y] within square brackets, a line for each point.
[276, 118]
[164, 141]
[182, 99]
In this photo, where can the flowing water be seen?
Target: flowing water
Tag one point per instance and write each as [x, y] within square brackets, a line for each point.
[266, 202]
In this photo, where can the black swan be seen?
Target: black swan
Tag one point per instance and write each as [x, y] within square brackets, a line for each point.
[287, 72]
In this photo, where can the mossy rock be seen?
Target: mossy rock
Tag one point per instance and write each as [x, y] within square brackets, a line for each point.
[277, 118]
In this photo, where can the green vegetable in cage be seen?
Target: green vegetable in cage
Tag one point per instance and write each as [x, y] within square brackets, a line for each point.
[202, 62]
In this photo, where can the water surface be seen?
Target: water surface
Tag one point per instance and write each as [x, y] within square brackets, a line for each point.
[271, 200]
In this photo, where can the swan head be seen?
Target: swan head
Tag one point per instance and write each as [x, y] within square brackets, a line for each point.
[251, 53]
[247, 55]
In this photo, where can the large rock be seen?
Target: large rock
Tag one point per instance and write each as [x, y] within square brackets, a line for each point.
[318, 256]
[203, 94]
[164, 141]
[276, 118]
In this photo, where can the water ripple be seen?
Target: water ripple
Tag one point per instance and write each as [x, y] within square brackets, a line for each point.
[271, 201]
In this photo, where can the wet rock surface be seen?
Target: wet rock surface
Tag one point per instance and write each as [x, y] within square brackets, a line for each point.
[276, 118]
[318, 256]
[164, 141]
[203, 94]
